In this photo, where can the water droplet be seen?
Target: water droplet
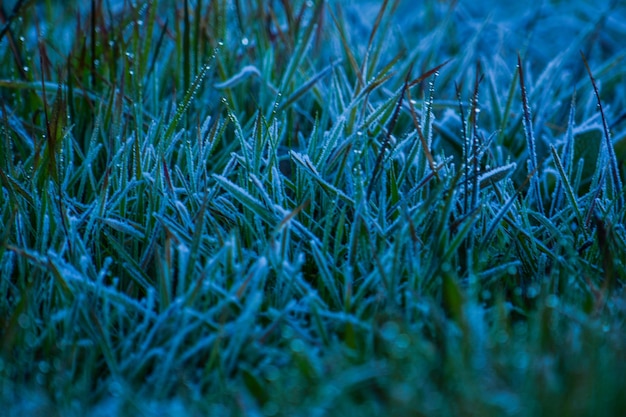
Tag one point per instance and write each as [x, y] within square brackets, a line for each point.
[390, 330]
[140, 23]
[245, 41]
[402, 342]
[23, 321]
[115, 388]
[297, 346]
[26, 69]
[44, 367]
[552, 301]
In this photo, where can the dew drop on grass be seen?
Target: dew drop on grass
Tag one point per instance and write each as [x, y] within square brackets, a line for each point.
[390, 330]
[272, 373]
[501, 337]
[31, 340]
[402, 392]
[297, 346]
[115, 388]
[44, 367]
[23, 321]
[245, 41]
[401, 345]
[552, 301]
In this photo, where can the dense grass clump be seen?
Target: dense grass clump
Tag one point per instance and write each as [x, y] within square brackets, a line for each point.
[312, 208]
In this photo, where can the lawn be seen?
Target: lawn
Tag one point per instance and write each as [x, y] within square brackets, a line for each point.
[311, 208]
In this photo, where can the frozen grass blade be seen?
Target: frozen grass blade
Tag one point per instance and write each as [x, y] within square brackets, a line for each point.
[615, 180]
[306, 87]
[346, 48]
[474, 146]
[530, 138]
[248, 201]
[382, 153]
[301, 48]
[569, 193]
[568, 157]
[423, 140]
[180, 111]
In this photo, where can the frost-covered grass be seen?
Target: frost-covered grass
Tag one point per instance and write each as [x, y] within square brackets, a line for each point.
[312, 208]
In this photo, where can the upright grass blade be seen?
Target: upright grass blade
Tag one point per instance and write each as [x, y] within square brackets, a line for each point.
[186, 46]
[475, 145]
[347, 50]
[382, 152]
[614, 178]
[420, 133]
[568, 156]
[530, 138]
[300, 91]
[301, 47]
[180, 111]
[569, 193]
